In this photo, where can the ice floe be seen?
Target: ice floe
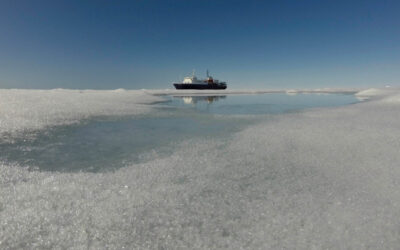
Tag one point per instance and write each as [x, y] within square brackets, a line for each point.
[319, 179]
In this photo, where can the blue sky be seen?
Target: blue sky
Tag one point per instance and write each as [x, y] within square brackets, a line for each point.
[149, 44]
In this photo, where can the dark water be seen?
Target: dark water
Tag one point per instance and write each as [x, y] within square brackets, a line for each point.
[107, 144]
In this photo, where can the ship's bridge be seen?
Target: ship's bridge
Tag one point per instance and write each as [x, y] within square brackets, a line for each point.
[192, 80]
[188, 79]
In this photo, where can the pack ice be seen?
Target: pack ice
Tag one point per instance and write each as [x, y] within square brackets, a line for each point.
[320, 179]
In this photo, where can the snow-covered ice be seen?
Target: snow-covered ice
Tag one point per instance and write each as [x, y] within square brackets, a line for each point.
[324, 178]
[27, 110]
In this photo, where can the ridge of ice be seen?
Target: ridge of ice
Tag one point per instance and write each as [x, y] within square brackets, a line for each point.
[386, 95]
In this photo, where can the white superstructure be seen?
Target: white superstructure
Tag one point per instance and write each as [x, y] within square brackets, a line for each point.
[194, 80]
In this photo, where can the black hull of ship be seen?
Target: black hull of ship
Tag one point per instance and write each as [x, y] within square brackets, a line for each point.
[198, 86]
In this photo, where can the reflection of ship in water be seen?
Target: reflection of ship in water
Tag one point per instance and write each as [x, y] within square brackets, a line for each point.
[196, 99]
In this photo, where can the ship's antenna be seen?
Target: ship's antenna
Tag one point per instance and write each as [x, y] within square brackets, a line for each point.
[194, 71]
[207, 74]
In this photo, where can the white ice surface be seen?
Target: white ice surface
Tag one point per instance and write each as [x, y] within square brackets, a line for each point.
[246, 91]
[22, 110]
[320, 179]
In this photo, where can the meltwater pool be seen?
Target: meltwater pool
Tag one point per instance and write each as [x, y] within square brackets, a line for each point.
[108, 143]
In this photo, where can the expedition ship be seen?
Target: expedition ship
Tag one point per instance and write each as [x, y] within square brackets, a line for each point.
[191, 82]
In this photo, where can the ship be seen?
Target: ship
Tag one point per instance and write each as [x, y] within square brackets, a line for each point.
[191, 82]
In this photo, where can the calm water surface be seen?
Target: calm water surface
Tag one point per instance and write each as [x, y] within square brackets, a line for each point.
[113, 142]
[260, 103]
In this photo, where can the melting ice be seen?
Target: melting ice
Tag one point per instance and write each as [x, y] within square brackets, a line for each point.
[106, 141]
[319, 178]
